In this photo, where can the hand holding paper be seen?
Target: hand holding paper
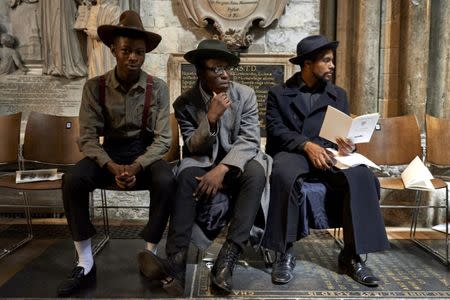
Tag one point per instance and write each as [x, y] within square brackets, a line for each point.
[338, 124]
[350, 160]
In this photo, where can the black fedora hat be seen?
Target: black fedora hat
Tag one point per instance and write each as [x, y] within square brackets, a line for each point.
[130, 24]
[310, 45]
[211, 49]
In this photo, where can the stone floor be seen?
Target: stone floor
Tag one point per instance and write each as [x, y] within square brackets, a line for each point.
[34, 270]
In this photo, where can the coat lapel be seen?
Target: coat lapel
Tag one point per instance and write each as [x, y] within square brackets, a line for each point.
[292, 93]
[327, 98]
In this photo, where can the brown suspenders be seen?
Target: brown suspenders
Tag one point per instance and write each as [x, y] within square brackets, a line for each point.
[148, 97]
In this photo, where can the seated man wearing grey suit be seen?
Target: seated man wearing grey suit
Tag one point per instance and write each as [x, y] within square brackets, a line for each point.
[218, 119]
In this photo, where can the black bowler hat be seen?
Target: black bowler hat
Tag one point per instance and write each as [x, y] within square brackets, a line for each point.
[310, 45]
[130, 24]
[207, 49]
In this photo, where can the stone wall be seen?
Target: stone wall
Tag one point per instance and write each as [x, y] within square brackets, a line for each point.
[61, 96]
[301, 18]
[165, 17]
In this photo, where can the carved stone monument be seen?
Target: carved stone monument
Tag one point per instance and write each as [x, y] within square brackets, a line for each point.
[233, 18]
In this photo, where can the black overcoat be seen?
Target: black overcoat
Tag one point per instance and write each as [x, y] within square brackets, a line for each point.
[290, 123]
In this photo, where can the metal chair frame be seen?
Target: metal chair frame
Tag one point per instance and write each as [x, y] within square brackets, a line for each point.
[436, 153]
[399, 137]
[49, 140]
[9, 154]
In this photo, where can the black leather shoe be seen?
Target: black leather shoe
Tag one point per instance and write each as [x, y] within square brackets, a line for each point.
[282, 268]
[171, 271]
[76, 280]
[222, 271]
[356, 269]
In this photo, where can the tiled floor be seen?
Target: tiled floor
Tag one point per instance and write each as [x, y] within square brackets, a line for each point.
[20, 259]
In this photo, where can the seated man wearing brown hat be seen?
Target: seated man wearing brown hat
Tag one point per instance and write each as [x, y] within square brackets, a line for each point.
[295, 112]
[130, 108]
[219, 123]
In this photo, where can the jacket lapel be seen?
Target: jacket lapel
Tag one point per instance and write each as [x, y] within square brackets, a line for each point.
[230, 118]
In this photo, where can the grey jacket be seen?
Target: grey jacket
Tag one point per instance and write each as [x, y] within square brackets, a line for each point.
[237, 132]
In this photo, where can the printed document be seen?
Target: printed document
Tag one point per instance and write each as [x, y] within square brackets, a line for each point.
[338, 124]
[350, 160]
[416, 176]
[37, 175]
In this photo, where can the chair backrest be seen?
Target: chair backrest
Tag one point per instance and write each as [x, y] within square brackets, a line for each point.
[9, 137]
[396, 142]
[51, 139]
[174, 151]
[437, 140]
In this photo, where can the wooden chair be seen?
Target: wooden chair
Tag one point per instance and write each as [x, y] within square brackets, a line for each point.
[9, 138]
[397, 142]
[50, 141]
[437, 154]
[172, 156]
[9, 153]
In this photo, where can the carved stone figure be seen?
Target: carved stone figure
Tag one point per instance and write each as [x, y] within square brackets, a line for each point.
[233, 18]
[60, 45]
[10, 61]
[82, 15]
[28, 37]
[100, 59]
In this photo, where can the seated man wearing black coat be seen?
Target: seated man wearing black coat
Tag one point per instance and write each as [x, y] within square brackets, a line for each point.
[295, 113]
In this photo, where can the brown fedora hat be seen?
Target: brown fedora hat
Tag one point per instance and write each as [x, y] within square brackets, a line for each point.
[310, 45]
[211, 49]
[130, 24]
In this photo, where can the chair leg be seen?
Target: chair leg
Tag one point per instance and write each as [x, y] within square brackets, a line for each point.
[99, 246]
[29, 236]
[415, 216]
[446, 228]
[443, 258]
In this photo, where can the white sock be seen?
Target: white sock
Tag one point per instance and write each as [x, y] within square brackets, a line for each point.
[85, 258]
[151, 247]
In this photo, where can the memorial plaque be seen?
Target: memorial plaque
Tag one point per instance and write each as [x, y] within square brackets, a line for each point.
[47, 94]
[233, 18]
[258, 71]
[233, 9]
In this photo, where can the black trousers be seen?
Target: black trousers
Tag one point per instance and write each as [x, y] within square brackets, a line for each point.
[245, 190]
[87, 176]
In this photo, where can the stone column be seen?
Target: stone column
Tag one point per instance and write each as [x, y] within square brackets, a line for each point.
[358, 30]
[389, 56]
[413, 64]
[438, 103]
[328, 18]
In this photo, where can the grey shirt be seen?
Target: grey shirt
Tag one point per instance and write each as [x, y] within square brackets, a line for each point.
[122, 117]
